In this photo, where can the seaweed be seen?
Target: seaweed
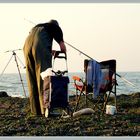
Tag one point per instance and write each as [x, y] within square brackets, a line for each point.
[16, 120]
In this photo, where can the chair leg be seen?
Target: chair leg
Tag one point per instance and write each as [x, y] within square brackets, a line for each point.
[105, 103]
[70, 111]
[115, 101]
[77, 102]
[86, 99]
[76, 97]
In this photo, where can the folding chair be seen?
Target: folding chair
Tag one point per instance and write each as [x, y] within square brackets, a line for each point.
[107, 86]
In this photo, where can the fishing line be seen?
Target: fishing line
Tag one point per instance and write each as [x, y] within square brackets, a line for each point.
[29, 21]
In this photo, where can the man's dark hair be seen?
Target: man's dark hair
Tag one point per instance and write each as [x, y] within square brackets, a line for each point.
[52, 21]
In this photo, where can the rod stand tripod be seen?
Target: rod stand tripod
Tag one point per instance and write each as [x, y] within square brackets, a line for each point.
[15, 57]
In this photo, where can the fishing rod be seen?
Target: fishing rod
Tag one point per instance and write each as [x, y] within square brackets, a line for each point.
[12, 50]
[78, 50]
[29, 21]
[130, 83]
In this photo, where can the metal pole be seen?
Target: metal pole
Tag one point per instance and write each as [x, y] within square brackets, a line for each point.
[19, 73]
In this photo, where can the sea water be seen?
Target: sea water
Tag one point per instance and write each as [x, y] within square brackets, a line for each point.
[12, 83]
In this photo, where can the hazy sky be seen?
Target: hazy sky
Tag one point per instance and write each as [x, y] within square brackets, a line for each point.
[103, 31]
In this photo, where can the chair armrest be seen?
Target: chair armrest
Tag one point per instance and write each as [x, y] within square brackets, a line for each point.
[76, 78]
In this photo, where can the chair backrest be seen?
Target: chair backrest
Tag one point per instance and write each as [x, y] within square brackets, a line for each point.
[109, 65]
[108, 69]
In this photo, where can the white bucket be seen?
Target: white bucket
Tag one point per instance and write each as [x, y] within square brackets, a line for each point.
[110, 109]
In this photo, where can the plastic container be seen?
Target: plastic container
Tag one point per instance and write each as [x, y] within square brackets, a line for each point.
[110, 109]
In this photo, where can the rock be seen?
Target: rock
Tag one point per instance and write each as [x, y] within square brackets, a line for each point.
[3, 94]
[137, 94]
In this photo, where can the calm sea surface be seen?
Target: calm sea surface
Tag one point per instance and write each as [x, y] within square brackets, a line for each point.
[11, 83]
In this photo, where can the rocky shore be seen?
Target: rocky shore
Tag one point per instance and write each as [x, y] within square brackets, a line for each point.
[16, 120]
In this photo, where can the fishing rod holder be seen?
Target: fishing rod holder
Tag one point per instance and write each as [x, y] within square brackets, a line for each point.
[15, 56]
